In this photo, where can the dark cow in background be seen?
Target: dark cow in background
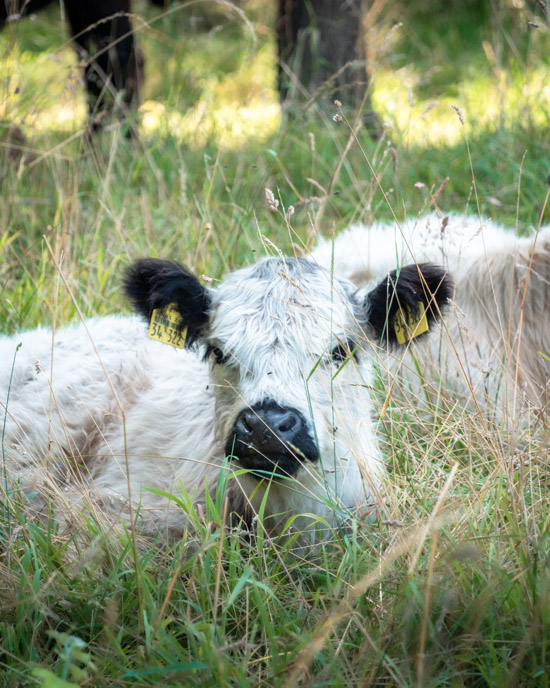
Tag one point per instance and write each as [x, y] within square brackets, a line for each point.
[103, 38]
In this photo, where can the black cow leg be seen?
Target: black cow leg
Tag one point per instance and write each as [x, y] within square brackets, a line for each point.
[113, 65]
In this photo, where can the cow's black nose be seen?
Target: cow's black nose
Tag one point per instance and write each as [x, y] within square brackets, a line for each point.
[271, 439]
[262, 426]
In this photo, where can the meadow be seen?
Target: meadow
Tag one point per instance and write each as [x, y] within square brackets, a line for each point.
[451, 587]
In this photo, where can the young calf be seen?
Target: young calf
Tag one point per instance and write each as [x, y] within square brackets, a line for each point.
[493, 349]
[274, 374]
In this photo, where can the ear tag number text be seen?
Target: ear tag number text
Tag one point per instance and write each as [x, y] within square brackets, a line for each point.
[165, 326]
[414, 325]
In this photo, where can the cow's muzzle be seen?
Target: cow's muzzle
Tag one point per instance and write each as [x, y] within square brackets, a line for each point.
[271, 440]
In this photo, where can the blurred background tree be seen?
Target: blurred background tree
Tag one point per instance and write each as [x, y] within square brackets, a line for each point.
[322, 54]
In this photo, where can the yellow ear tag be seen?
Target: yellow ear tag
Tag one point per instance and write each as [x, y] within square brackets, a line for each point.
[415, 325]
[165, 326]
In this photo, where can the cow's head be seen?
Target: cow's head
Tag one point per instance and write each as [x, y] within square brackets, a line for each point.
[291, 351]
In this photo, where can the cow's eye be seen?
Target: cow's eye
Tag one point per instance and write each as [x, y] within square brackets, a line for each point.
[343, 351]
[219, 356]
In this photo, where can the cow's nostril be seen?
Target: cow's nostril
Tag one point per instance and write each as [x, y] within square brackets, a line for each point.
[287, 424]
[245, 424]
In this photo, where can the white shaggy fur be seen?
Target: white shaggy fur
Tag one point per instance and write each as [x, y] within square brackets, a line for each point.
[101, 410]
[487, 353]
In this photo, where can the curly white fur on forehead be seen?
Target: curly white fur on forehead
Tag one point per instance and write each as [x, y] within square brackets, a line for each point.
[290, 301]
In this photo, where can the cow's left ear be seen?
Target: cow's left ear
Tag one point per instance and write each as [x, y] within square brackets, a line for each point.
[153, 284]
[408, 302]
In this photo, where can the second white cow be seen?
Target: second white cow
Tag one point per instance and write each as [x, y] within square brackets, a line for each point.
[493, 351]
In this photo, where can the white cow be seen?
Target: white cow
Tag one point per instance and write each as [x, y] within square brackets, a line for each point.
[275, 374]
[494, 344]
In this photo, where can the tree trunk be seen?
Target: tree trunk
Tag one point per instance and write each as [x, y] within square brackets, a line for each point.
[322, 51]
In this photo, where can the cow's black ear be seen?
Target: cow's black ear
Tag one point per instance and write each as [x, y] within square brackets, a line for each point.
[408, 302]
[154, 284]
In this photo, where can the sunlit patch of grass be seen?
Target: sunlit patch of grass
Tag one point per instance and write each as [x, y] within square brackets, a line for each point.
[230, 126]
[43, 91]
[232, 110]
[489, 102]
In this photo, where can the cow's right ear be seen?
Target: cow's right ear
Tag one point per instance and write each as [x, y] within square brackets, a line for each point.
[153, 284]
[408, 302]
